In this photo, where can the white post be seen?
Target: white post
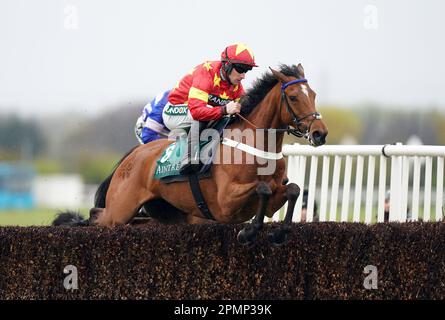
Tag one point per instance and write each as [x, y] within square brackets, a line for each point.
[416, 189]
[439, 189]
[404, 189]
[346, 189]
[369, 189]
[382, 190]
[427, 199]
[358, 189]
[395, 187]
[334, 194]
[324, 189]
[311, 195]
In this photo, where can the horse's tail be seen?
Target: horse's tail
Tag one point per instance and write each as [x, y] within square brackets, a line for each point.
[70, 219]
[101, 193]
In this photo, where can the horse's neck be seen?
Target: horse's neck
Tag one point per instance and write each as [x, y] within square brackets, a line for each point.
[266, 115]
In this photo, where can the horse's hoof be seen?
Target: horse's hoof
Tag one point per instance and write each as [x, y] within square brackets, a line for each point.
[246, 236]
[278, 237]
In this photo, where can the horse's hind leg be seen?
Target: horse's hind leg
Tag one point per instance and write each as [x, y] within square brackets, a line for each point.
[122, 206]
[279, 236]
[248, 234]
[119, 215]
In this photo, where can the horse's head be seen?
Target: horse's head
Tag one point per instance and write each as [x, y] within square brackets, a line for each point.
[297, 108]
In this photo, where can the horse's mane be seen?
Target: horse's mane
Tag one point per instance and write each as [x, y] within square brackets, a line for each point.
[262, 86]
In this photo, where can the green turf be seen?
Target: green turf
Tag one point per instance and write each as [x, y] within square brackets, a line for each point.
[35, 217]
[44, 217]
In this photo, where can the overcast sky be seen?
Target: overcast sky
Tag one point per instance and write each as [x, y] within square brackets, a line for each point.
[86, 55]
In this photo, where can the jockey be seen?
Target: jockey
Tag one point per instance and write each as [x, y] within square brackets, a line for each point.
[208, 92]
[150, 125]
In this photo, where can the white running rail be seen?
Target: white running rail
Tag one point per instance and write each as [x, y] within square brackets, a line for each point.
[414, 178]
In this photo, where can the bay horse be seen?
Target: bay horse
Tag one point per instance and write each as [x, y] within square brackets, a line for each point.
[280, 101]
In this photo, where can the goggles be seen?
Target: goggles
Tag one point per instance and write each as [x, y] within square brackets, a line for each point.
[241, 68]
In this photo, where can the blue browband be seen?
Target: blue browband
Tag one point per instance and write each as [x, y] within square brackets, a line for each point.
[287, 84]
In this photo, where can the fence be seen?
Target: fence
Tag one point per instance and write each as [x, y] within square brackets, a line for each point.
[410, 178]
[321, 261]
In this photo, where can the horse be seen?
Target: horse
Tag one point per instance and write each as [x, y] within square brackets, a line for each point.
[279, 102]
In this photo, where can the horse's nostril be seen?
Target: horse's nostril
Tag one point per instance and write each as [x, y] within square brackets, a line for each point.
[318, 137]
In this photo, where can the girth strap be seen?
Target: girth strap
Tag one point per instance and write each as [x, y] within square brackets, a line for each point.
[199, 197]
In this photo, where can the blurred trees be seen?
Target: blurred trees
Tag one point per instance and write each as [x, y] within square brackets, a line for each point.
[390, 126]
[71, 143]
[342, 124]
[438, 120]
[95, 168]
[20, 139]
[95, 146]
[110, 132]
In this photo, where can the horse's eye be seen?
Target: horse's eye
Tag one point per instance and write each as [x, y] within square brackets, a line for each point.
[293, 98]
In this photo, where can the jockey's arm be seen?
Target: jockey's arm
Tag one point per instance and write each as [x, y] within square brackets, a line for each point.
[202, 112]
[199, 109]
[199, 96]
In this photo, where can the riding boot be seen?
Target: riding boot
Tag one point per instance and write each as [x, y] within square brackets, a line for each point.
[190, 162]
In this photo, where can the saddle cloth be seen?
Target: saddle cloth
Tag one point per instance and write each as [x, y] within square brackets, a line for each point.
[167, 168]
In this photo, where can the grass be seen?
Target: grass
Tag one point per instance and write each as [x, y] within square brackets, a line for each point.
[44, 217]
[35, 217]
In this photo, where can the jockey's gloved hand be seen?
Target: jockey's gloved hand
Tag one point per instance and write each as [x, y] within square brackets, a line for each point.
[233, 107]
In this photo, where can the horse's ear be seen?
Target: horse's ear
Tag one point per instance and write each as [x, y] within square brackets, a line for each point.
[300, 70]
[281, 77]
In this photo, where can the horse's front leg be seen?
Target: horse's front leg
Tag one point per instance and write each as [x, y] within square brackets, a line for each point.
[248, 234]
[279, 236]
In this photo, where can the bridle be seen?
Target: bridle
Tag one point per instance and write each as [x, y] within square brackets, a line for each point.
[298, 131]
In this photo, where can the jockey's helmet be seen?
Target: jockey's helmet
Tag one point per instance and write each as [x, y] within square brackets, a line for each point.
[238, 54]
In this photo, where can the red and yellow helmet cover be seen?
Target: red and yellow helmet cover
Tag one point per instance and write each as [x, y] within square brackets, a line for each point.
[238, 53]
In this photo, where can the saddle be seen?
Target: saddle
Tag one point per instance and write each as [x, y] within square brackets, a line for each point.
[167, 168]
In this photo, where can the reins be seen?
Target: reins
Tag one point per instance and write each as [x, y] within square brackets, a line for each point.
[245, 119]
